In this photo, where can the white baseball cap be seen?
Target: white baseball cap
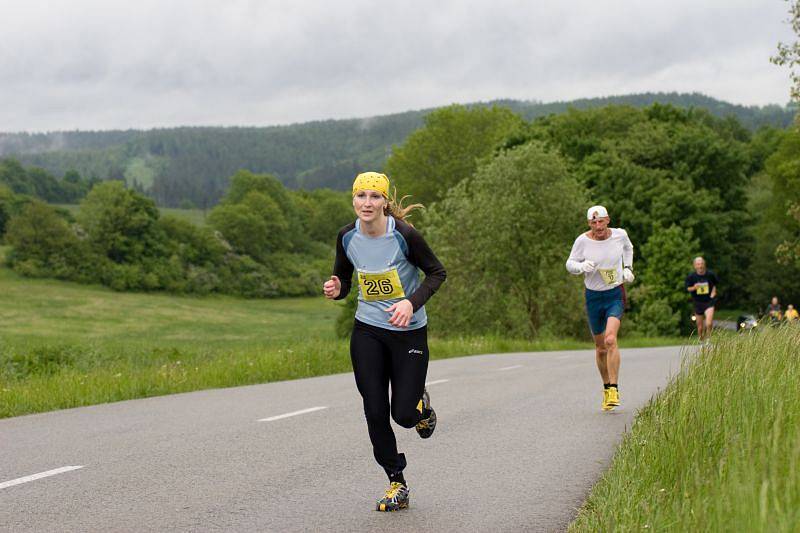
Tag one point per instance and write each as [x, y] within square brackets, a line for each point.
[596, 211]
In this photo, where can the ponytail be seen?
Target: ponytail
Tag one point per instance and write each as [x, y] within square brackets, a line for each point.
[394, 207]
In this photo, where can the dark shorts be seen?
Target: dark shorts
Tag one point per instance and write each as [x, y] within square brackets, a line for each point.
[701, 307]
[600, 305]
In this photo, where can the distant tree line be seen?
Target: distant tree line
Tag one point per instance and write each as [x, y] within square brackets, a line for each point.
[181, 166]
[39, 183]
[261, 241]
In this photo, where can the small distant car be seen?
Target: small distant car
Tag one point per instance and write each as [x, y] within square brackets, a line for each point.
[746, 322]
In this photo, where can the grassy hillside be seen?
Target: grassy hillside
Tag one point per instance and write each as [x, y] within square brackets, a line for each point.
[718, 450]
[191, 164]
[66, 345]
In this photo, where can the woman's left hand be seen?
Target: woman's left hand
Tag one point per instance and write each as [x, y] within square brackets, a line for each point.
[402, 312]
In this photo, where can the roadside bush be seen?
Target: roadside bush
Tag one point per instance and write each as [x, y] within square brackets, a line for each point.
[656, 318]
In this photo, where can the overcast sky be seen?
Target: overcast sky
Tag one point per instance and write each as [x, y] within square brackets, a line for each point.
[107, 64]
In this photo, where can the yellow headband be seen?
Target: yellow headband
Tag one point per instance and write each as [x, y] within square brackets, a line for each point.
[371, 181]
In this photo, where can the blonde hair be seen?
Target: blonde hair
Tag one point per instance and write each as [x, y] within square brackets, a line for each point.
[395, 207]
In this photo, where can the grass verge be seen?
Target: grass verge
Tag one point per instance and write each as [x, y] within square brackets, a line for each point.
[44, 377]
[718, 450]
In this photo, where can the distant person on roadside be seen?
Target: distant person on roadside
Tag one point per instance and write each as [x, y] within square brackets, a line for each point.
[389, 341]
[702, 285]
[791, 313]
[774, 310]
[604, 256]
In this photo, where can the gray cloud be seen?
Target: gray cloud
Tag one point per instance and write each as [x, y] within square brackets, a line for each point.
[99, 65]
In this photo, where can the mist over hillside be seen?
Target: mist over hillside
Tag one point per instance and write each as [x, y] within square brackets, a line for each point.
[191, 165]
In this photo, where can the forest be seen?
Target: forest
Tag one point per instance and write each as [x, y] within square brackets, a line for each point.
[189, 167]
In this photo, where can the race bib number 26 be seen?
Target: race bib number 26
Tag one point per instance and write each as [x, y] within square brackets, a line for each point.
[377, 286]
[609, 275]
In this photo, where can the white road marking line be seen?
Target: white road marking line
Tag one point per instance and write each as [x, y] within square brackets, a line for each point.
[509, 367]
[34, 477]
[436, 382]
[293, 413]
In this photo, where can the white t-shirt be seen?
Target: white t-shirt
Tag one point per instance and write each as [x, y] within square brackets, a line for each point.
[609, 255]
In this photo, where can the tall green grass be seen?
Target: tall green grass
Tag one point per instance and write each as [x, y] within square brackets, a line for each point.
[718, 450]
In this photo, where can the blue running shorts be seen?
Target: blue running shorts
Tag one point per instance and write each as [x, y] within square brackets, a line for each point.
[603, 304]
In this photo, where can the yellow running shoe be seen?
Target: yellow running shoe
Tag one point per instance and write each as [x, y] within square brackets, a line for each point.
[396, 498]
[605, 406]
[426, 426]
[613, 398]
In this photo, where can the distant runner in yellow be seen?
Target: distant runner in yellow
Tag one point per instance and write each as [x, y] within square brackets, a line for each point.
[702, 284]
[605, 258]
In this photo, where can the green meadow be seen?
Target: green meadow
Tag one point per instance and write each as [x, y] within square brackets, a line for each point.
[65, 344]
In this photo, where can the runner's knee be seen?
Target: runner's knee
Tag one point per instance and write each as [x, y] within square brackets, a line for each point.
[406, 418]
[611, 341]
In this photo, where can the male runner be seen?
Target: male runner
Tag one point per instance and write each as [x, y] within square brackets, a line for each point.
[702, 284]
[605, 258]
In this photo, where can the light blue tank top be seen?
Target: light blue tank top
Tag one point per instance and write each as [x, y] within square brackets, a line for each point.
[378, 261]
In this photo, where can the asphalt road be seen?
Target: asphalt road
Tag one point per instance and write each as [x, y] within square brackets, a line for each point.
[521, 439]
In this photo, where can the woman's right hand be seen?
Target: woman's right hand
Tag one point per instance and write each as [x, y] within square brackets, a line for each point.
[332, 288]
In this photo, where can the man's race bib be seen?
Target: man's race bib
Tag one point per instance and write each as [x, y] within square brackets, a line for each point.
[702, 288]
[609, 275]
[377, 286]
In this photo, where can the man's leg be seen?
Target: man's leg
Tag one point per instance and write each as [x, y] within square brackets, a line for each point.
[601, 356]
[709, 321]
[700, 319]
[612, 349]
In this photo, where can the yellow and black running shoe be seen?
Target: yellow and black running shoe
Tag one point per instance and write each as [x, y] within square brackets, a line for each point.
[613, 398]
[606, 407]
[396, 498]
[426, 426]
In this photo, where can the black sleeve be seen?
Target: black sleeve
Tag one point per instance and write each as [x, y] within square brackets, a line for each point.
[421, 255]
[342, 267]
[714, 279]
[688, 281]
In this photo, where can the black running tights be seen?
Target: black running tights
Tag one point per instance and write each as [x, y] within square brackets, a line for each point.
[382, 356]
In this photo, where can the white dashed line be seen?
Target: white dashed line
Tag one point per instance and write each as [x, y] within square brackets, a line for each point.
[34, 477]
[293, 413]
[436, 382]
[509, 367]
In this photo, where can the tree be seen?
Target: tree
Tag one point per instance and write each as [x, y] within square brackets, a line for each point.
[255, 226]
[43, 242]
[660, 298]
[660, 166]
[447, 150]
[789, 55]
[120, 223]
[775, 199]
[504, 236]
[324, 212]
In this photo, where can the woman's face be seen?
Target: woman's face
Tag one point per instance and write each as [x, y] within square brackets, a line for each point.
[368, 205]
